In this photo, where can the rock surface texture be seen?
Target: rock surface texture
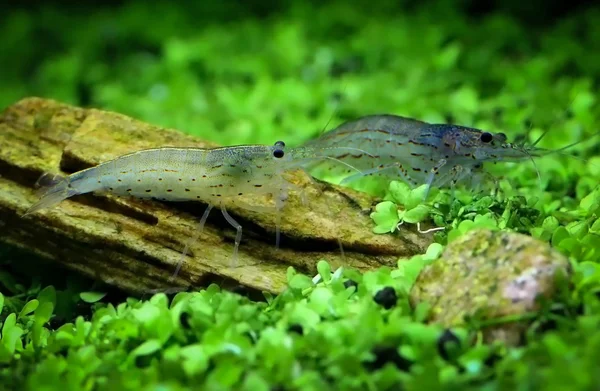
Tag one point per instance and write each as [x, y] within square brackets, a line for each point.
[490, 274]
[135, 245]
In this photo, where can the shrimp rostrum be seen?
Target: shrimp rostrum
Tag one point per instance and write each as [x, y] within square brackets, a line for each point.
[190, 174]
[417, 152]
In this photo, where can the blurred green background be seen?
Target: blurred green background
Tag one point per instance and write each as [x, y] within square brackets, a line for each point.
[258, 71]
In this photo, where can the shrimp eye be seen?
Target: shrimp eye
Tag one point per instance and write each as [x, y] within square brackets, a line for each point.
[280, 144]
[486, 137]
[278, 153]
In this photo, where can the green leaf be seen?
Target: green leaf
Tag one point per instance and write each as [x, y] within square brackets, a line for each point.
[11, 333]
[434, 251]
[399, 192]
[417, 214]
[147, 348]
[29, 307]
[47, 295]
[92, 297]
[578, 229]
[290, 273]
[195, 359]
[385, 217]
[591, 202]
[300, 282]
[324, 270]
[594, 229]
[550, 223]
[320, 299]
[43, 313]
[416, 197]
[1, 302]
[559, 235]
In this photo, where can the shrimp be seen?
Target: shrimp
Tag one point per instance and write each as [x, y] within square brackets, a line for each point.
[418, 152]
[191, 174]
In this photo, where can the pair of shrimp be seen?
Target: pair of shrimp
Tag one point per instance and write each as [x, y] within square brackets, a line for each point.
[192, 174]
[418, 152]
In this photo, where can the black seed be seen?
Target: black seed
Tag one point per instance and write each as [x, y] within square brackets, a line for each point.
[239, 193]
[447, 343]
[148, 191]
[187, 189]
[348, 283]
[386, 297]
[296, 328]
[388, 354]
[169, 190]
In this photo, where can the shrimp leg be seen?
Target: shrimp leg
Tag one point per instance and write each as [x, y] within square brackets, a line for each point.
[193, 239]
[431, 176]
[237, 226]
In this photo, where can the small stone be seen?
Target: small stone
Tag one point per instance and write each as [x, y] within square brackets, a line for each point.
[446, 343]
[386, 297]
[490, 274]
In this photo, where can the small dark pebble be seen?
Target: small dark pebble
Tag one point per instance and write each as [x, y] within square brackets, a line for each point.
[387, 354]
[447, 342]
[296, 328]
[349, 283]
[386, 297]
[184, 319]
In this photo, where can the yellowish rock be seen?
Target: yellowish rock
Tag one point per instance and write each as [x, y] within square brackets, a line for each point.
[489, 275]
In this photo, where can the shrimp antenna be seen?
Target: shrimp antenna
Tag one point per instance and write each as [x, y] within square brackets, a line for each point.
[335, 111]
[549, 129]
[537, 171]
[539, 138]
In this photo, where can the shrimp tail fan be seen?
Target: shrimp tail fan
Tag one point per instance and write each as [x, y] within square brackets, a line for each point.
[53, 189]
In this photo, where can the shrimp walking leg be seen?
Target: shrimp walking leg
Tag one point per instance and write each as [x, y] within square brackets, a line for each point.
[432, 173]
[237, 226]
[193, 239]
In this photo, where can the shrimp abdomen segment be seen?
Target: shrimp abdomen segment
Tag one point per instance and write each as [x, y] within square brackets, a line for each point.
[177, 174]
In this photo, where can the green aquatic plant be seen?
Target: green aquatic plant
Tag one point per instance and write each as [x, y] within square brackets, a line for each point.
[222, 74]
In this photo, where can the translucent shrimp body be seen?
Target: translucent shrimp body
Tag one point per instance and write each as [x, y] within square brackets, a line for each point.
[190, 174]
[415, 151]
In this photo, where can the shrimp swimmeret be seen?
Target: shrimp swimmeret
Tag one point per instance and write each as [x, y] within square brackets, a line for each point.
[191, 174]
[417, 152]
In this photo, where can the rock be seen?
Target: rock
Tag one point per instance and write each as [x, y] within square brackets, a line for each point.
[135, 245]
[490, 274]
